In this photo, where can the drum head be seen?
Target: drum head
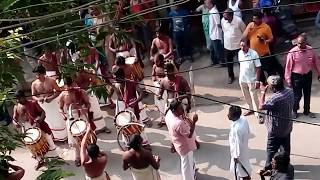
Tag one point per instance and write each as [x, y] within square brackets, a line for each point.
[125, 117]
[130, 60]
[78, 127]
[32, 135]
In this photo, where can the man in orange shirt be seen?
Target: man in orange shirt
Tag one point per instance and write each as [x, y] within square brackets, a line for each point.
[260, 36]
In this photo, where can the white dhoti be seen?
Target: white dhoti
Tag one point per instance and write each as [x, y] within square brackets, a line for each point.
[161, 104]
[187, 166]
[52, 74]
[98, 116]
[56, 123]
[102, 177]
[148, 173]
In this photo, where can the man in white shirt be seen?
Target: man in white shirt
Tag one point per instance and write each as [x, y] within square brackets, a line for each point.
[238, 140]
[249, 76]
[215, 33]
[233, 28]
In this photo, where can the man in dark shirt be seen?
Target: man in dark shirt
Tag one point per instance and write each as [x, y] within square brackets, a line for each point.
[278, 121]
[281, 168]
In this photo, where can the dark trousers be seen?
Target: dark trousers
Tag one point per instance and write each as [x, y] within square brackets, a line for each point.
[301, 84]
[271, 66]
[230, 54]
[275, 144]
[216, 51]
[183, 47]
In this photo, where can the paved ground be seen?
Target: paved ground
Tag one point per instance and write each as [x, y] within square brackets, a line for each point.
[212, 131]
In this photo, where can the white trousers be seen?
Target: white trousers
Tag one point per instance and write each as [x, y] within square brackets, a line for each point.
[251, 95]
[187, 166]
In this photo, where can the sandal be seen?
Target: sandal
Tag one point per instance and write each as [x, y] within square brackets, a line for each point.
[39, 165]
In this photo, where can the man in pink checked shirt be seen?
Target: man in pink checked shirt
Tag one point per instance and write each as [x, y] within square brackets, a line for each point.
[298, 74]
[182, 136]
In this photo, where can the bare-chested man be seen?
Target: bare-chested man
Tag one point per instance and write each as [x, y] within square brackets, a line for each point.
[137, 159]
[45, 90]
[78, 100]
[162, 44]
[50, 61]
[122, 47]
[93, 160]
[176, 86]
[10, 172]
[84, 79]
[28, 114]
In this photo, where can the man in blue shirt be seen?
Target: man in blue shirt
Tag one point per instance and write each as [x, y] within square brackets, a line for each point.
[179, 27]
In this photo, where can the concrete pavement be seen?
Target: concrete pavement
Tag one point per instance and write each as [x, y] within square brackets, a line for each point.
[212, 130]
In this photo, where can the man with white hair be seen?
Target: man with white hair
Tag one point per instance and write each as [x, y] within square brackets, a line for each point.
[279, 125]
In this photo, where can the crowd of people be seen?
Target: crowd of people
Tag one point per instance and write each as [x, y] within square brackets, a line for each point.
[57, 107]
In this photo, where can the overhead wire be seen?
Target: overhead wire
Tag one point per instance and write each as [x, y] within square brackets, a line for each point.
[70, 22]
[123, 20]
[80, 30]
[221, 102]
[35, 5]
[84, 6]
[194, 95]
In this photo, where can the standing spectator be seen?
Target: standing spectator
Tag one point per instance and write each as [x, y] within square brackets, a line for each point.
[205, 22]
[236, 6]
[272, 22]
[278, 122]
[238, 139]
[233, 28]
[143, 165]
[180, 32]
[260, 36]
[281, 168]
[249, 76]
[215, 33]
[298, 74]
[181, 134]
[262, 3]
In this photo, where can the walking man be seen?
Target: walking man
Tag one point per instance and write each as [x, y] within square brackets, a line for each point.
[238, 140]
[181, 135]
[233, 28]
[298, 74]
[215, 32]
[249, 76]
[279, 125]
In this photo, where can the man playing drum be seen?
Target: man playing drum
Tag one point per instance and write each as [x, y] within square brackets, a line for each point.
[84, 79]
[75, 101]
[28, 114]
[45, 90]
[176, 86]
[93, 160]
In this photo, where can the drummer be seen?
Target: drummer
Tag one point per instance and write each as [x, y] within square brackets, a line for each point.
[173, 83]
[45, 91]
[76, 100]
[84, 80]
[28, 114]
[128, 70]
[129, 94]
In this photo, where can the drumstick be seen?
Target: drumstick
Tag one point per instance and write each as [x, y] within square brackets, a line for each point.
[192, 88]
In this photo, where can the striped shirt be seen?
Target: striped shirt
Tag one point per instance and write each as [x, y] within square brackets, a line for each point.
[279, 108]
